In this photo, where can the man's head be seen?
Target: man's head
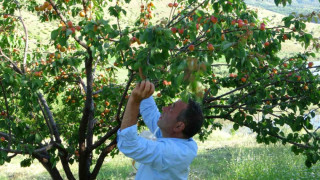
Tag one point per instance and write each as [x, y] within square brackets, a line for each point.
[180, 119]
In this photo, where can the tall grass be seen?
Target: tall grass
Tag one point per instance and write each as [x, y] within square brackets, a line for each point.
[266, 162]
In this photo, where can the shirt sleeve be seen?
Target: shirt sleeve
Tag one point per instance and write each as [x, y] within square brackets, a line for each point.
[140, 149]
[150, 113]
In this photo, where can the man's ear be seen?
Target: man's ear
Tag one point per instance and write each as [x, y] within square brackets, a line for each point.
[179, 127]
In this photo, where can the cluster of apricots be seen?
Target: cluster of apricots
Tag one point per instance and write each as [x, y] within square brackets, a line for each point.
[45, 6]
[69, 98]
[38, 73]
[166, 83]
[214, 80]
[70, 26]
[173, 4]
[147, 15]
[105, 111]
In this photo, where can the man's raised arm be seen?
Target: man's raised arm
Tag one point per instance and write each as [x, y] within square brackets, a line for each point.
[142, 91]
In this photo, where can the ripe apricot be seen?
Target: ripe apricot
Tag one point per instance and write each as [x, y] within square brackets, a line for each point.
[191, 47]
[82, 14]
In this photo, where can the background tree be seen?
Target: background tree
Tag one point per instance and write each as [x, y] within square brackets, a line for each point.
[63, 102]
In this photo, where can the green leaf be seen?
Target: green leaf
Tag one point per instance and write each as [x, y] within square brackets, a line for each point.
[308, 163]
[54, 34]
[113, 12]
[25, 162]
[68, 32]
[37, 138]
[287, 20]
[226, 45]
[235, 126]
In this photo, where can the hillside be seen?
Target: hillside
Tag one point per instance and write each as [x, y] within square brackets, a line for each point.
[274, 19]
[41, 31]
[298, 6]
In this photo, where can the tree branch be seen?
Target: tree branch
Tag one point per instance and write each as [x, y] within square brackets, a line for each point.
[187, 15]
[15, 67]
[101, 158]
[46, 119]
[64, 160]
[39, 150]
[81, 81]
[230, 92]
[104, 138]
[51, 121]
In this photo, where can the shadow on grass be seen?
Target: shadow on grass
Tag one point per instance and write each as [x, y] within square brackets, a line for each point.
[267, 162]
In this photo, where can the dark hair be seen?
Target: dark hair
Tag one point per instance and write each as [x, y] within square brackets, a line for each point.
[192, 118]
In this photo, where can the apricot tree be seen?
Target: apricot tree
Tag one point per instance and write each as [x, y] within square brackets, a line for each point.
[62, 102]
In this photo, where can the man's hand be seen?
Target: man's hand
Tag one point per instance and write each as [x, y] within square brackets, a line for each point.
[142, 91]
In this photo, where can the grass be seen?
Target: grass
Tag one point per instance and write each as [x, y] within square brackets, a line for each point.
[225, 155]
[270, 162]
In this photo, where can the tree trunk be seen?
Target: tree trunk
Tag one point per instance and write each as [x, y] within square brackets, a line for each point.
[53, 171]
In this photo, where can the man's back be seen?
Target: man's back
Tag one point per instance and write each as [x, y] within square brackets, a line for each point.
[177, 155]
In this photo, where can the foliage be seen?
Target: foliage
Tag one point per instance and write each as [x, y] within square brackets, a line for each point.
[63, 102]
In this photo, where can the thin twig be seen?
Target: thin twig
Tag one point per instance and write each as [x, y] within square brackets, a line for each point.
[15, 67]
[26, 44]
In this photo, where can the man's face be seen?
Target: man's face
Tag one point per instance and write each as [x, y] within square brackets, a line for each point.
[168, 118]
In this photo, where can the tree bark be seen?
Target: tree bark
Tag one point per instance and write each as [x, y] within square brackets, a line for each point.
[53, 171]
[101, 158]
[88, 116]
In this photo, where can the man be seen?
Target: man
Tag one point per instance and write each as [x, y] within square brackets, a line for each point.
[171, 154]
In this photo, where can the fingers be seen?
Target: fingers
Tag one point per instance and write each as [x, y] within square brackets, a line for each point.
[148, 88]
[143, 90]
[151, 89]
